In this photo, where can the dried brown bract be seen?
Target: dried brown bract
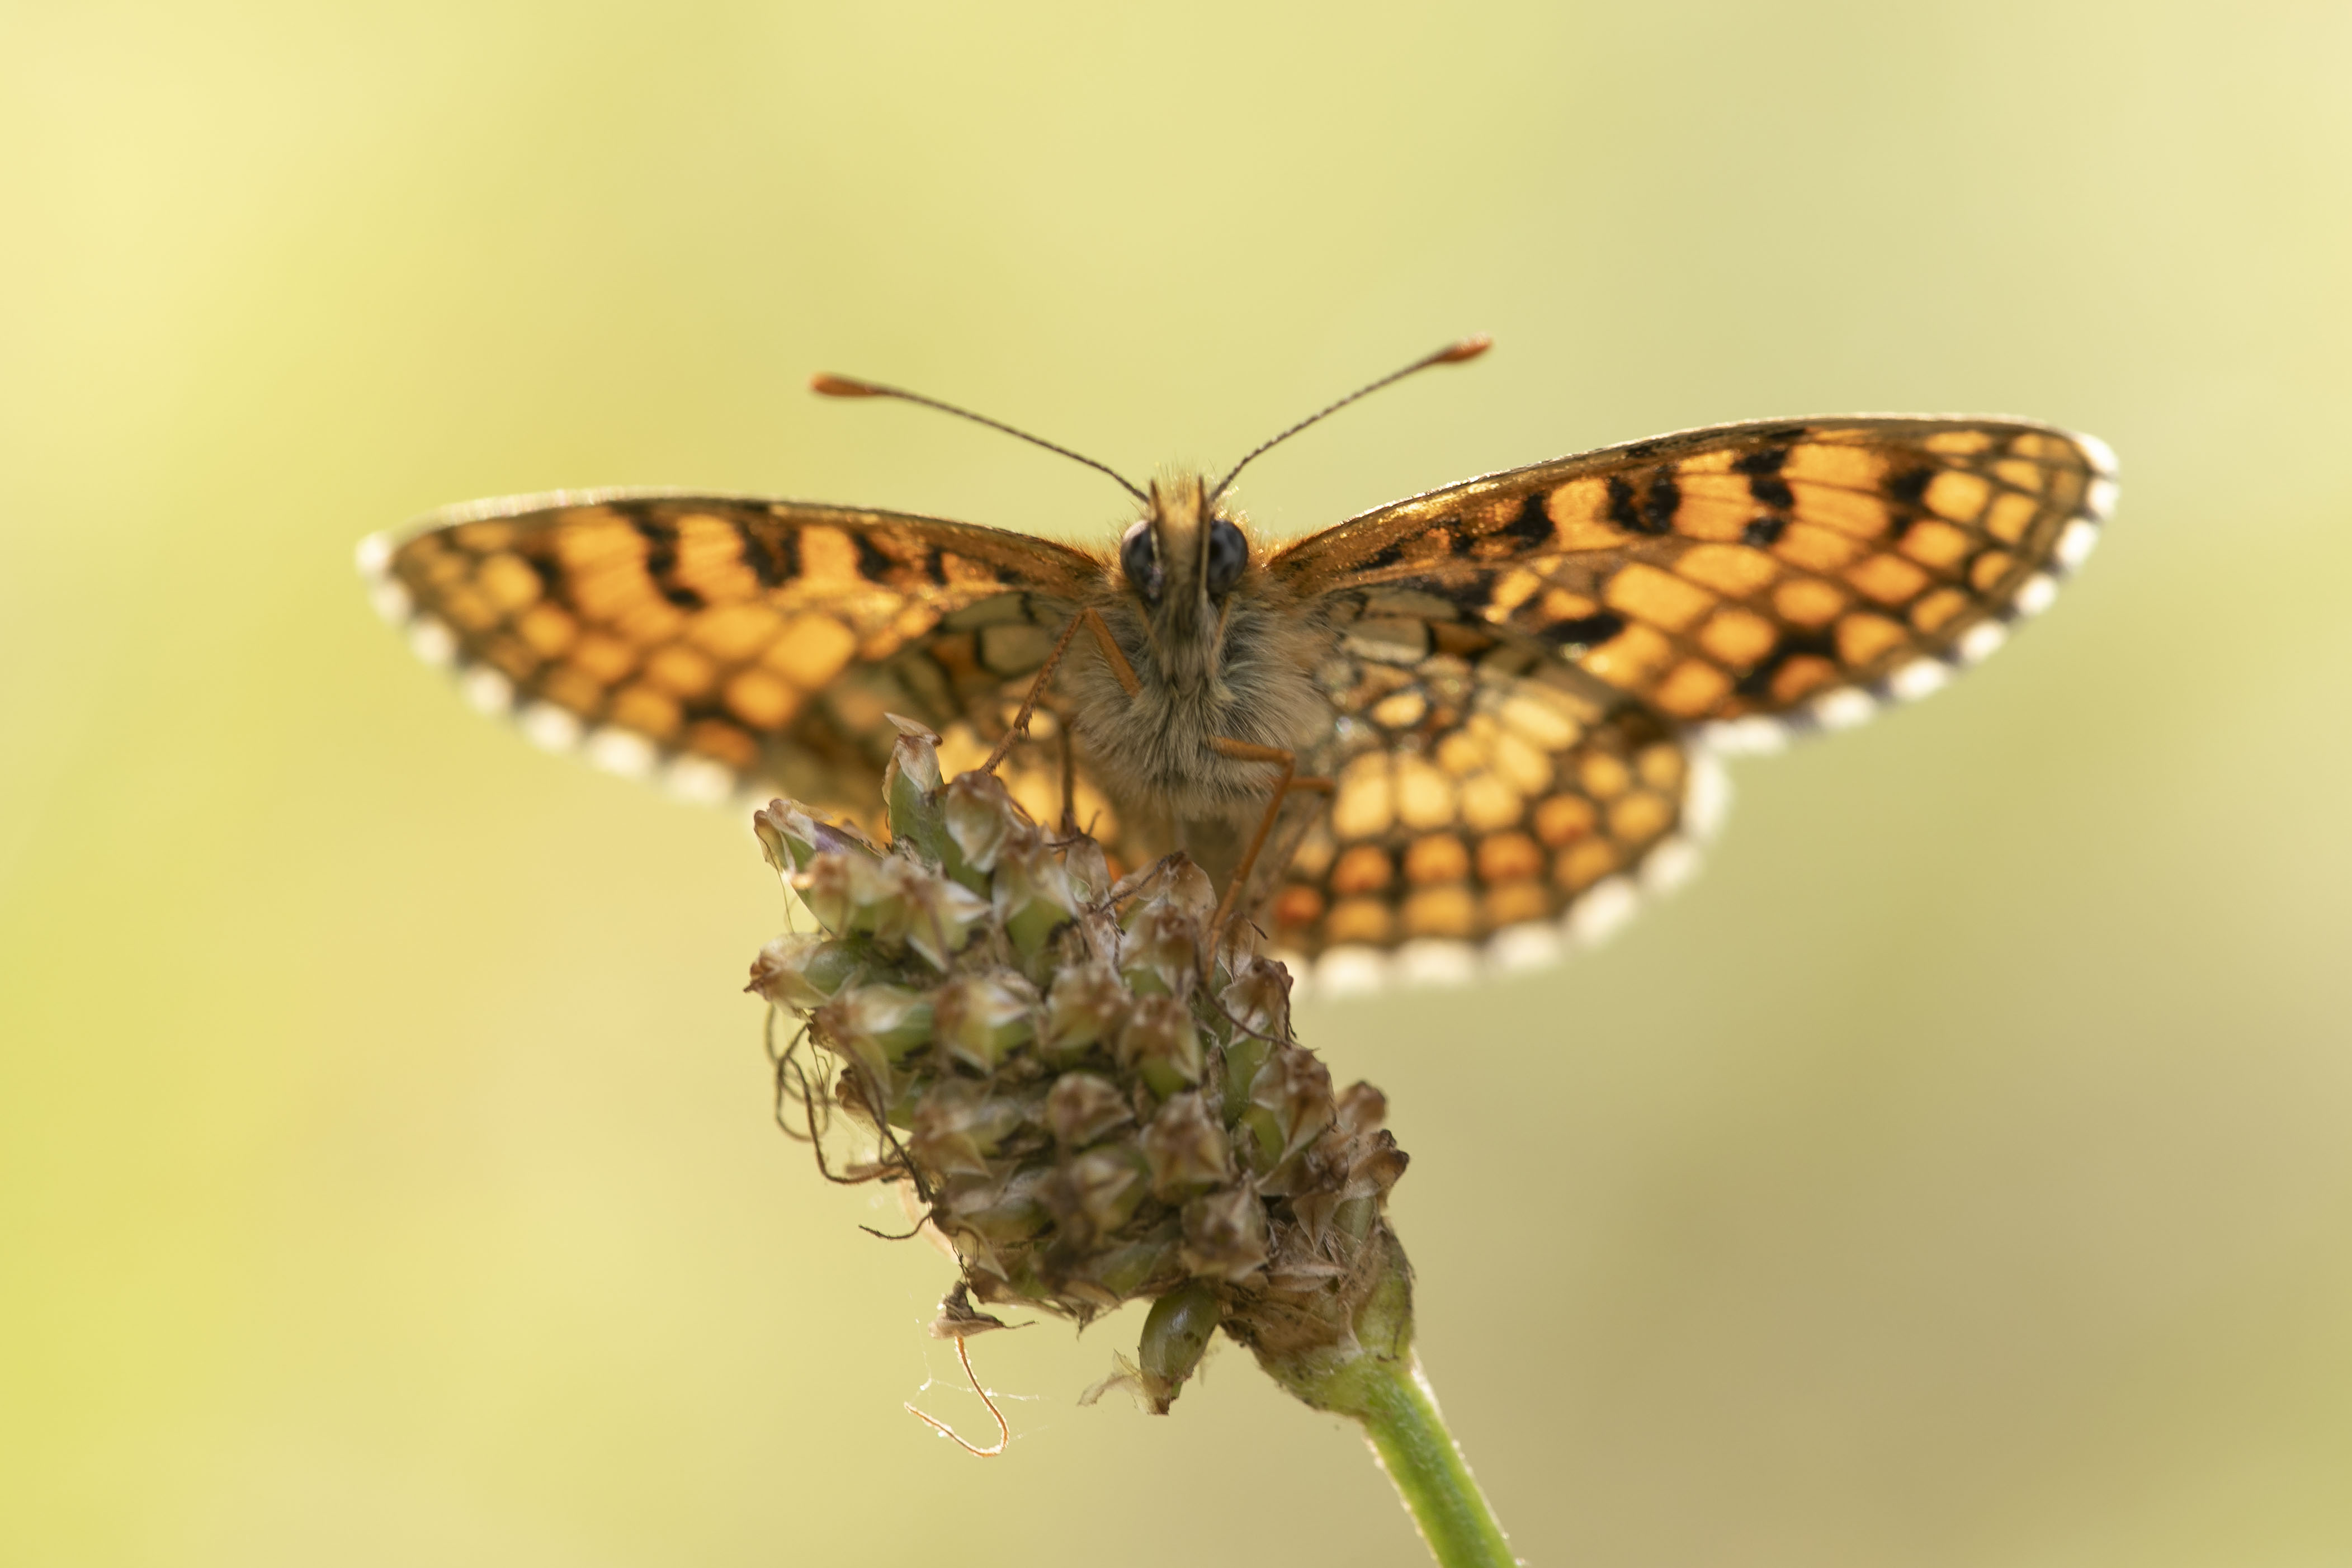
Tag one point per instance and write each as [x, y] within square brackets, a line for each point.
[1088, 1105]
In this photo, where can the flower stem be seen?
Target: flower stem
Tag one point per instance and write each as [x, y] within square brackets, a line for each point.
[1408, 1435]
[1373, 1376]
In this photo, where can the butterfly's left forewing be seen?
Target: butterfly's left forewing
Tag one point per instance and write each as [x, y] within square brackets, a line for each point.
[1747, 575]
[1533, 671]
[722, 641]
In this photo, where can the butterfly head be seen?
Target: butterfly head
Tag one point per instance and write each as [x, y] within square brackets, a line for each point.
[1182, 558]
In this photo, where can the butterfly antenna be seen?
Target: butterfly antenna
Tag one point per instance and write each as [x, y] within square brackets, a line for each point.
[826, 385]
[1452, 353]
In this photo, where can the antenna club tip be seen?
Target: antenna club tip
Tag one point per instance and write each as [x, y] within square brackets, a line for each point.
[1470, 347]
[824, 384]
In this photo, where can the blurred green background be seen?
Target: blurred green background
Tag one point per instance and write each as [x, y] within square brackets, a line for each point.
[1956, 1173]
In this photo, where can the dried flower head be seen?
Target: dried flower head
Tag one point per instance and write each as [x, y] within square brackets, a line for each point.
[1084, 1091]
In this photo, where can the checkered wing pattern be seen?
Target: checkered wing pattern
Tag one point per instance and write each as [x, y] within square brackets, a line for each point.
[1536, 668]
[1482, 790]
[1528, 674]
[1758, 575]
[722, 643]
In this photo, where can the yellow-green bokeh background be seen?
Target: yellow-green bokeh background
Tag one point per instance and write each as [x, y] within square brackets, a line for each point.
[1957, 1174]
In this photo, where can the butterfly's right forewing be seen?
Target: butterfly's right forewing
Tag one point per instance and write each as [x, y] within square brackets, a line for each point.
[725, 642]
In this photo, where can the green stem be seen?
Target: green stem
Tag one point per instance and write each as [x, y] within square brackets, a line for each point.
[1373, 1376]
[1409, 1436]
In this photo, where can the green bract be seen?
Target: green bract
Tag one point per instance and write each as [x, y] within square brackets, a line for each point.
[1085, 1100]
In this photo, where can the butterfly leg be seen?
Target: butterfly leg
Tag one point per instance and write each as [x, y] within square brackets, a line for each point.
[1284, 784]
[1069, 779]
[1093, 622]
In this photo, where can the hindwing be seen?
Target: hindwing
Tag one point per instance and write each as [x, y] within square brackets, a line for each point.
[1486, 794]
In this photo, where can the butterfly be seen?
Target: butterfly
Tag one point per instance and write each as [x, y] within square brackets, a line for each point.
[1463, 731]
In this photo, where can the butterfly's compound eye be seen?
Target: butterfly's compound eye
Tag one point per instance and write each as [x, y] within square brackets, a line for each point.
[1138, 557]
[1228, 554]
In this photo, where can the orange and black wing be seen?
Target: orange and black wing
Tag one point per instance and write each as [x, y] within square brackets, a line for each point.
[1751, 576]
[1533, 671]
[722, 643]
[1490, 806]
